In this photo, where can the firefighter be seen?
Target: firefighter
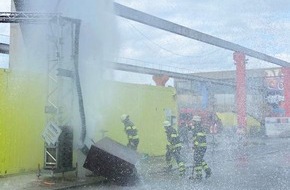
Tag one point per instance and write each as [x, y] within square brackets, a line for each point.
[183, 133]
[173, 148]
[199, 146]
[131, 131]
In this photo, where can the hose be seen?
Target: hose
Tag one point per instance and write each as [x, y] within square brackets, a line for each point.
[78, 83]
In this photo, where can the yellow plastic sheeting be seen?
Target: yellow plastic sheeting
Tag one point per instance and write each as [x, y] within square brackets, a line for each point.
[146, 106]
[21, 122]
[229, 119]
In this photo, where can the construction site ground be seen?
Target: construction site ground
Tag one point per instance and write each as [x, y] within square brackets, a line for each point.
[248, 163]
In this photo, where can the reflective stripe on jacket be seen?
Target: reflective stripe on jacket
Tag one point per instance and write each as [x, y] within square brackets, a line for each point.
[131, 130]
[172, 138]
[199, 137]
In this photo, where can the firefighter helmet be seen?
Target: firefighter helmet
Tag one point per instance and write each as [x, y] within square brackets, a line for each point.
[166, 123]
[124, 117]
[196, 118]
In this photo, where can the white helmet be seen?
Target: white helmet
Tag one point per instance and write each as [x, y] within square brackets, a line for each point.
[124, 117]
[196, 118]
[166, 123]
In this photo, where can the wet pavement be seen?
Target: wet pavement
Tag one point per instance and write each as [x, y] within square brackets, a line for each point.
[255, 163]
[250, 164]
[30, 181]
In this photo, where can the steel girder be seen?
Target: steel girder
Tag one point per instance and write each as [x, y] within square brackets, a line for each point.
[162, 24]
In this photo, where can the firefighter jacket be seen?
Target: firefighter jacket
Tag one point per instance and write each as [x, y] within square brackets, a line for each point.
[199, 137]
[131, 130]
[173, 139]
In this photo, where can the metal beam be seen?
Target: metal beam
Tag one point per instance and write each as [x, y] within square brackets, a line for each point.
[4, 48]
[175, 75]
[33, 18]
[26, 17]
[162, 24]
[150, 71]
[29, 18]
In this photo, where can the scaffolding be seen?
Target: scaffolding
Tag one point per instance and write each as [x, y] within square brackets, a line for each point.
[60, 101]
[62, 74]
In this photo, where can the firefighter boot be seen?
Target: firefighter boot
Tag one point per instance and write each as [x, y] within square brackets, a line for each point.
[192, 175]
[207, 173]
[182, 173]
[181, 169]
[168, 169]
[196, 179]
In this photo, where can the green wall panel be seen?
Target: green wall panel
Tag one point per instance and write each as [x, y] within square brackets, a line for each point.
[229, 119]
[146, 106]
[22, 118]
[21, 122]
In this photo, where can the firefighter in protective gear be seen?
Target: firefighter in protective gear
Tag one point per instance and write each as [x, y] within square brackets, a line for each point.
[173, 148]
[199, 146]
[131, 131]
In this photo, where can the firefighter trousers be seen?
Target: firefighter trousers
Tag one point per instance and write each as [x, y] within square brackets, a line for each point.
[133, 144]
[175, 153]
[200, 163]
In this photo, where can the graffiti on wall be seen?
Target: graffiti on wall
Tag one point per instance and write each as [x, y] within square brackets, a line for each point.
[275, 92]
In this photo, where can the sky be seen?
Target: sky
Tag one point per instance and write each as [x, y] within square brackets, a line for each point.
[261, 25]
